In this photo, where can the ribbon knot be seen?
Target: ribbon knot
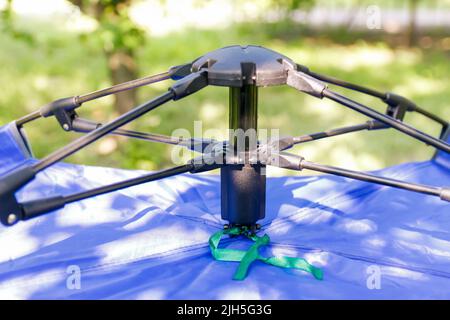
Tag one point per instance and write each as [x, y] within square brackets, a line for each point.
[246, 258]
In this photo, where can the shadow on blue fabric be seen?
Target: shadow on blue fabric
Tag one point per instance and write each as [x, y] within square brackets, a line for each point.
[151, 241]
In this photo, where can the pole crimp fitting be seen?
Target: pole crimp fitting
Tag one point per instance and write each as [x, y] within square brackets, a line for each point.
[286, 160]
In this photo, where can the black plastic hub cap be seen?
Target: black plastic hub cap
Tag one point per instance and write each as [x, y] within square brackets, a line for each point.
[236, 66]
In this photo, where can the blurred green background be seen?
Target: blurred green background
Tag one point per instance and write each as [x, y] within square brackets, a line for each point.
[57, 48]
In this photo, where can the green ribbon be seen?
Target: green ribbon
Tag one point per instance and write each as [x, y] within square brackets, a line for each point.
[246, 258]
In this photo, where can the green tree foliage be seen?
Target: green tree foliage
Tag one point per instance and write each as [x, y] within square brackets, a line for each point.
[288, 6]
[116, 30]
[120, 38]
[7, 24]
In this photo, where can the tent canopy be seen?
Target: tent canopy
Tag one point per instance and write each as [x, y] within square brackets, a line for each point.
[151, 241]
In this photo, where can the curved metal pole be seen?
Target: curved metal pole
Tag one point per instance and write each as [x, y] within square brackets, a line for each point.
[369, 125]
[343, 84]
[400, 126]
[85, 126]
[389, 98]
[431, 116]
[34, 208]
[101, 131]
[16, 179]
[122, 87]
[288, 142]
[71, 103]
[294, 162]
[28, 118]
[435, 191]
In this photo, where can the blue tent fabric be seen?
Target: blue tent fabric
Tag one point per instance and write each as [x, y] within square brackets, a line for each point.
[151, 241]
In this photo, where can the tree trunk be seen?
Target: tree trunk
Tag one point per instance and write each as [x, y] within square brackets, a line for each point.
[411, 32]
[123, 68]
[121, 63]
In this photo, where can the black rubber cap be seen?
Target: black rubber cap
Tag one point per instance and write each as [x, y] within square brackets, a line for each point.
[236, 66]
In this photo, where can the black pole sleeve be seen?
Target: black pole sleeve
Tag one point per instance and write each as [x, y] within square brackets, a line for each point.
[398, 125]
[34, 208]
[10, 210]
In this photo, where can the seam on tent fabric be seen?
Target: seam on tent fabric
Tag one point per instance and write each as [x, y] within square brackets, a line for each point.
[433, 272]
[178, 252]
[200, 220]
[203, 248]
[101, 266]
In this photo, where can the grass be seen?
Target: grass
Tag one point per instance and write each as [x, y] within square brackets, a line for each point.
[61, 64]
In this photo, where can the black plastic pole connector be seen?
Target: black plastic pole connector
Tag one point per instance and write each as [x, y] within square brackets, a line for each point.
[66, 104]
[10, 210]
[396, 124]
[395, 100]
[189, 85]
[305, 83]
[400, 104]
[181, 71]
